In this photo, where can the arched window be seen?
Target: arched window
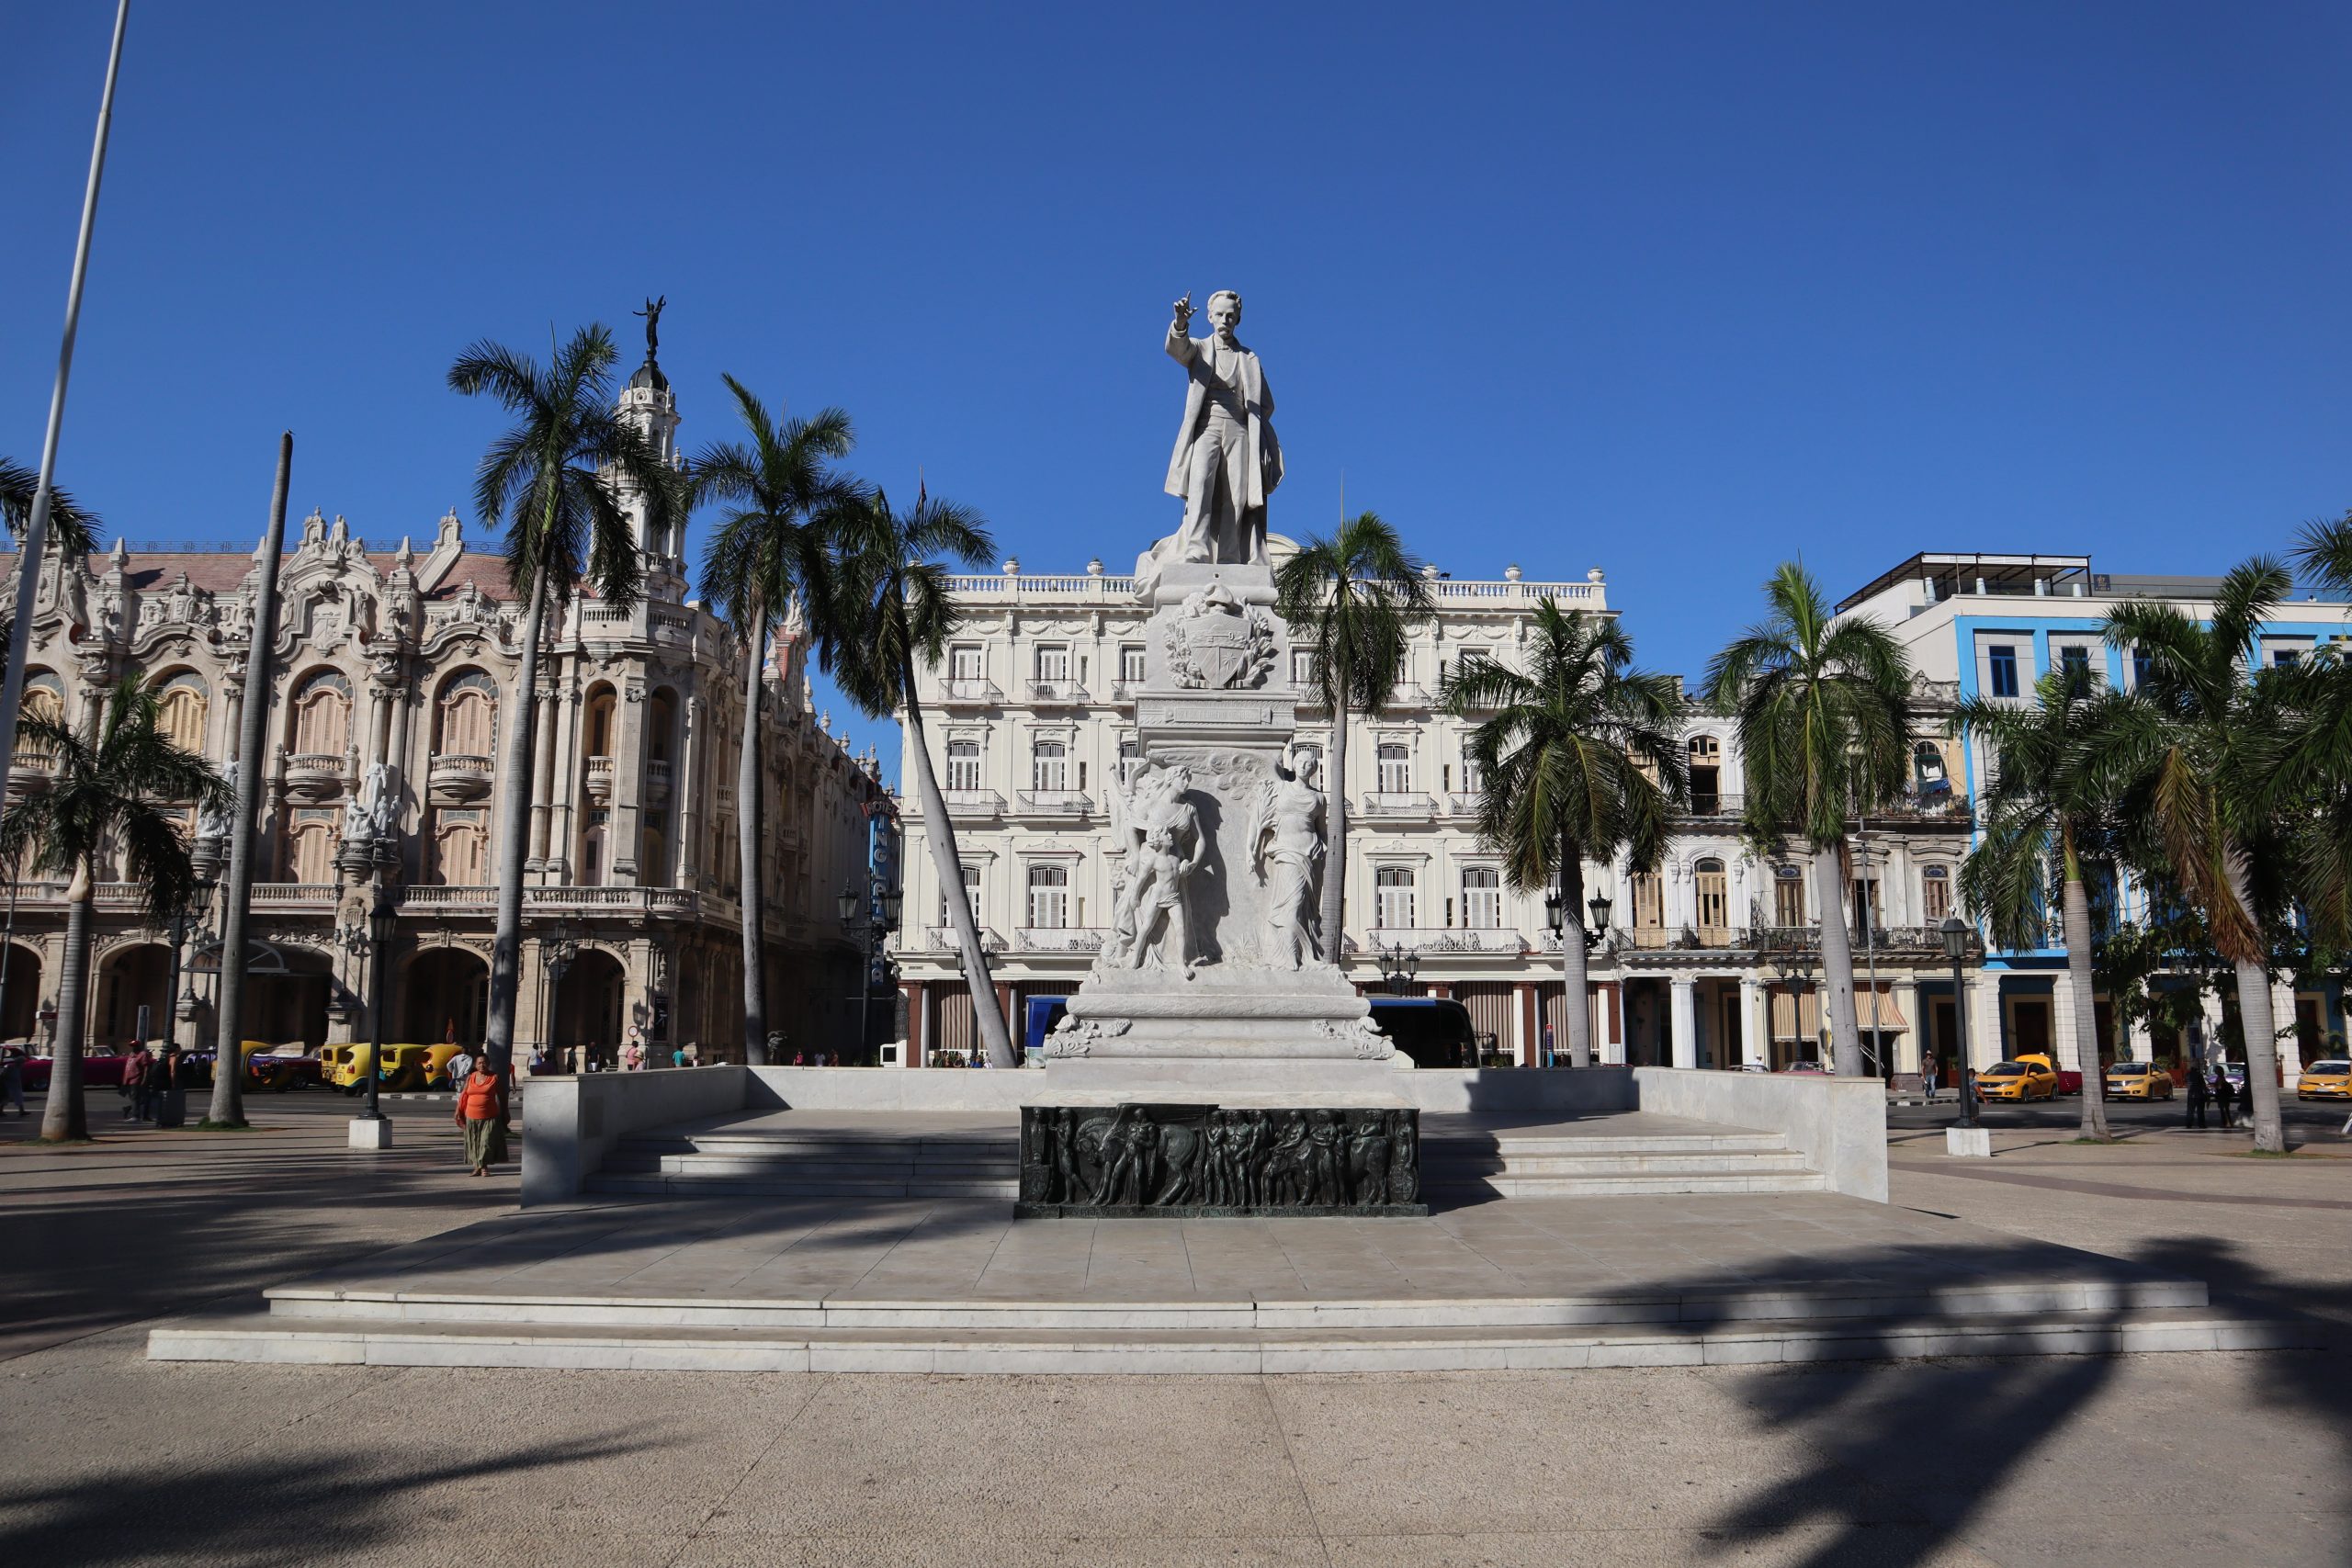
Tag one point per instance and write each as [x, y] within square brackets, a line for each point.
[1935, 894]
[44, 699]
[183, 704]
[1048, 898]
[322, 715]
[599, 723]
[1788, 896]
[963, 764]
[653, 859]
[457, 848]
[1392, 897]
[1713, 891]
[1482, 898]
[469, 716]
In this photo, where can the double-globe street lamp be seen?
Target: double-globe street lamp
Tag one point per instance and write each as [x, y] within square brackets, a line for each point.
[372, 942]
[1555, 915]
[881, 908]
[1795, 977]
[1955, 933]
[1399, 964]
[559, 947]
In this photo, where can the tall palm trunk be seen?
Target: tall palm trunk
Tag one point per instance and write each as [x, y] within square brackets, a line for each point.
[2076, 911]
[515, 839]
[1575, 973]
[1838, 962]
[1334, 853]
[949, 865]
[2255, 1022]
[63, 1119]
[750, 837]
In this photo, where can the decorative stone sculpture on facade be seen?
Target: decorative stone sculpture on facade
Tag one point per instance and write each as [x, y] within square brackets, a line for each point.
[1151, 923]
[1215, 642]
[1286, 846]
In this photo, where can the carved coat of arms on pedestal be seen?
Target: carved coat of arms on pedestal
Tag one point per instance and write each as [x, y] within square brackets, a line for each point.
[1214, 642]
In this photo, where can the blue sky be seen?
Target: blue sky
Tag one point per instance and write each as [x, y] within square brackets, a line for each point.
[1678, 290]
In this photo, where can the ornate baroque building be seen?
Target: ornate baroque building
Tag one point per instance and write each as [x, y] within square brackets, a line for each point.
[1708, 963]
[408, 659]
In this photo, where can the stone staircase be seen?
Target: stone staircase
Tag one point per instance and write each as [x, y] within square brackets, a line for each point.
[1462, 1160]
[1547, 1163]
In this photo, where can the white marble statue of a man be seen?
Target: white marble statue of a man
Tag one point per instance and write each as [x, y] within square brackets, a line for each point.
[1286, 843]
[1227, 460]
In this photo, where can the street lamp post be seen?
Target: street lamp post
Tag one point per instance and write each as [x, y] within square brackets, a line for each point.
[1954, 930]
[189, 918]
[1399, 964]
[558, 948]
[1796, 978]
[371, 943]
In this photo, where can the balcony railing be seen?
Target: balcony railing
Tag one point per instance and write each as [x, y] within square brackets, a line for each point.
[1394, 803]
[1464, 802]
[1426, 940]
[969, 692]
[449, 897]
[1057, 690]
[274, 895]
[1058, 939]
[1054, 802]
[942, 939]
[974, 803]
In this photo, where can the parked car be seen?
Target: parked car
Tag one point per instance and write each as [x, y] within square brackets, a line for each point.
[97, 1072]
[2331, 1079]
[2138, 1081]
[1805, 1067]
[280, 1067]
[1433, 1031]
[2031, 1079]
[2069, 1080]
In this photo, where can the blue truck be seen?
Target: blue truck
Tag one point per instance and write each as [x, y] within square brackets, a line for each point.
[1433, 1031]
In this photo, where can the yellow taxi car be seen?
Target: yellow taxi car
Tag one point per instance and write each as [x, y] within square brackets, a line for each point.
[406, 1067]
[2331, 1079]
[2029, 1079]
[2138, 1081]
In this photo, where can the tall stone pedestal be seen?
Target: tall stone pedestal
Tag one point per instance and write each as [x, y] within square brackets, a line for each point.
[1201, 1011]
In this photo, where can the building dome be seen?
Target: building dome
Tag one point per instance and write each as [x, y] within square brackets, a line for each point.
[650, 375]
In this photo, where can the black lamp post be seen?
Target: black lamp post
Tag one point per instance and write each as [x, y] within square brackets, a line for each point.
[1796, 978]
[189, 918]
[382, 918]
[1954, 932]
[558, 948]
[1399, 964]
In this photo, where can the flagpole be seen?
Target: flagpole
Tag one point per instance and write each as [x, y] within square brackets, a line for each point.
[35, 541]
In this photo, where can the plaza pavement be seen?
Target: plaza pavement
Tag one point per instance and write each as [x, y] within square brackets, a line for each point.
[108, 1459]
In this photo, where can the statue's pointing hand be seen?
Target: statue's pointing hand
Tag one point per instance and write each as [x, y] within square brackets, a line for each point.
[1184, 312]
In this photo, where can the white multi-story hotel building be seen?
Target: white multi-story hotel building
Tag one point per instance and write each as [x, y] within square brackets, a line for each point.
[1707, 963]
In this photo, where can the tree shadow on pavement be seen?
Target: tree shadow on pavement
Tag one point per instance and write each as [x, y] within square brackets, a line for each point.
[285, 1508]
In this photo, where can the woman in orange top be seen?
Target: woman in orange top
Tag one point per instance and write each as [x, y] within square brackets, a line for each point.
[482, 1111]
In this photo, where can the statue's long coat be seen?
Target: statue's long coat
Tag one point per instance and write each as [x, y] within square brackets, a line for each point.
[1265, 470]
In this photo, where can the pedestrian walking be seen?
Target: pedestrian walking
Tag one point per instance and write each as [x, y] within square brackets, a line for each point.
[633, 1052]
[677, 1056]
[482, 1113]
[170, 1095]
[1928, 1079]
[12, 1077]
[2199, 1091]
[461, 1067]
[2224, 1097]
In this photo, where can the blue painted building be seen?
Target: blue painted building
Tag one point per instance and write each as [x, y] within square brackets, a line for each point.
[1990, 625]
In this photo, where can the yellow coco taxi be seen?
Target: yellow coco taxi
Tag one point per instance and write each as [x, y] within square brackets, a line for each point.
[2017, 1080]
[2138, 1081]
[2331, 1079]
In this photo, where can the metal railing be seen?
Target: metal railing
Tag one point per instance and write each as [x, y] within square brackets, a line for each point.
[1426, 940]
[1394, 803]
[1059, 802]
[957, 689]
[1057, 690]
[1058, 939]
[973, 802]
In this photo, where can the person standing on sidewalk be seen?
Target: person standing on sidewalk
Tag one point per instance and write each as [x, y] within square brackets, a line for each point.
[482, 1113]
[1928, 1079]
[2197, 1095]
[2223, 1096]
[12, 1077]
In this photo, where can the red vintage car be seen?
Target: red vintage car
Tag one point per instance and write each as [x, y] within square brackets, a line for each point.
[97, 1072]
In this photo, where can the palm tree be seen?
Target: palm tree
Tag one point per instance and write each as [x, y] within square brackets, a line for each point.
[1576, 759]
[1820, 704]
[74, 529]
[118, 791]
[2041, 819]
[2312, 784]
[767, 556]
[556, 476]
[892, 599]
[2189, 752]
[1351, 601]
